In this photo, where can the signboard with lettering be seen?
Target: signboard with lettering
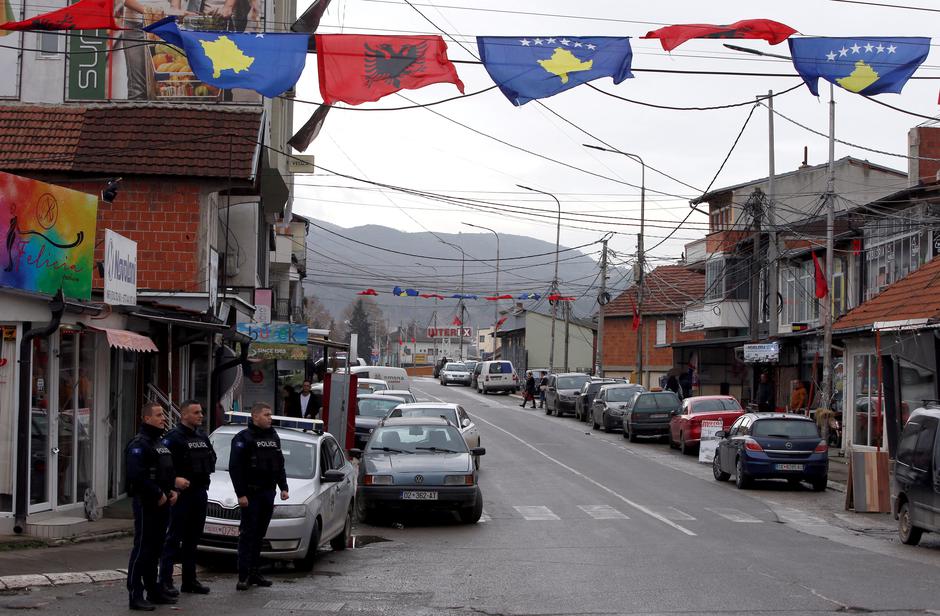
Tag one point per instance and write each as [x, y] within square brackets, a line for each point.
[264, 298]
[762, 353]
[450, 332]
[49, 237]
[120, 269]
[275, 333]
[709, 441]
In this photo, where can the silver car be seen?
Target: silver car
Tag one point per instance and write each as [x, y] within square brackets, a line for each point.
[320, 507]
[453, 413]
[454, 372]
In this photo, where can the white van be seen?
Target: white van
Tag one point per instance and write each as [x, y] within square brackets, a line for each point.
[396, 378]
[497, 376]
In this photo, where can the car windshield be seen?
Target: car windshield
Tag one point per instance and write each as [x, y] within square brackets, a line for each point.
[372, 407]
[448, 414]
[709, 406]
[620, 394]
[432, 439]
[572, 382]
[785, 428]
[501, 367]
[300, 457]
[455, 367]
[662, 401]
[373, 386]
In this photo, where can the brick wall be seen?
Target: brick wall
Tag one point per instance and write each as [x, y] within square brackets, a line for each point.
[924, 141]
[620, 341]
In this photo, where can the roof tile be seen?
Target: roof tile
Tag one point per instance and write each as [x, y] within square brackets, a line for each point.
[895, 302]
[668, 290]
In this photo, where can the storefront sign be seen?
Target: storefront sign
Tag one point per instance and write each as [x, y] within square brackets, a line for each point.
[50, 237]
[709, 442]
[761, 353]
[450, 332]
[421, 358]
[264, 350]
[263, 300]
[120, 269]
[275, 333]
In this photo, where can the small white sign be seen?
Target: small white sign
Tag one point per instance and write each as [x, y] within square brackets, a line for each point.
[120, 269]
[300, 163]
[709, 442]
[761, 353]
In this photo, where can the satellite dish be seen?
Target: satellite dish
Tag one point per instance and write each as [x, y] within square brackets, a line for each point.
[603, 298]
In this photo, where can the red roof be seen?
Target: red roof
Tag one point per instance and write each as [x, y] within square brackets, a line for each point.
[916, 296]
[150, 138]
[668, 289]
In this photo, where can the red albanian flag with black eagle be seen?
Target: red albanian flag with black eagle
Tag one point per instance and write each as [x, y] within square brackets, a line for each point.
[83, 15]
[358, 69]
[769, 30]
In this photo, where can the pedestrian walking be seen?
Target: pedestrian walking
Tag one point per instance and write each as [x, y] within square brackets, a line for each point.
[150, 477]
[193, 462]
[528, 393]
[543, 385]
[256, 465]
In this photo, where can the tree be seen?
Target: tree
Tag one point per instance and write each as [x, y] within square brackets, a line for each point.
[358, 323]
[318, 317]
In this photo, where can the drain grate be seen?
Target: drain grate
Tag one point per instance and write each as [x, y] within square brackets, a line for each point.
[304, 606]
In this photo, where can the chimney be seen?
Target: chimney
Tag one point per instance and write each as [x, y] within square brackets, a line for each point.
[805, 157]
[923, 141]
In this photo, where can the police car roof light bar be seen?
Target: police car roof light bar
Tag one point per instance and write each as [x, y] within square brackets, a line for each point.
[280, 421]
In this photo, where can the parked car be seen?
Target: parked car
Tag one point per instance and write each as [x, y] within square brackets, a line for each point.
[454, 373]
[370, 408]
[610, 404]
[772, 446]
[405, 395]
[454, 413]
[418, 464]
[320, 507]
[497, 376]
[471, 366]
[585, 397]
[685, 427]
[648, 413]
[917, 476]
[562, 392]
[475, 375]
[394, 377]
[372, 385]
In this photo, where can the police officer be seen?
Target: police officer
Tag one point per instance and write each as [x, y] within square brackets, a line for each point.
[150, 481]
[193, 461]
[256, 465]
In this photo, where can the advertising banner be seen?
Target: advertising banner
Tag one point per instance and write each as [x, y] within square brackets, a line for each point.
[120, 269]
[761, 353]
[450, 332]
[709, 442]
[130, 68]
[49, 237]
[275, 340]
[10, 10]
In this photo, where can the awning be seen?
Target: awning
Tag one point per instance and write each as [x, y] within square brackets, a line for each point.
[129, 341]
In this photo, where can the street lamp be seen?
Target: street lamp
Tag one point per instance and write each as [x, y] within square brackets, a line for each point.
[551, 351]
[496, 293]
[640, 257]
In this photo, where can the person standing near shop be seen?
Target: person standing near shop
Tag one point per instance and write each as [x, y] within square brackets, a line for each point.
[256, 465]
[150, 477]
[193, 461]
[308, 403]
[766, 399]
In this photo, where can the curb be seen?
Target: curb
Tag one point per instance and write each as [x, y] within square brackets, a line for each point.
[25, 582]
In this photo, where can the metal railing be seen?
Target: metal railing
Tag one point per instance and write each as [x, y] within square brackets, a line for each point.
[171, 411]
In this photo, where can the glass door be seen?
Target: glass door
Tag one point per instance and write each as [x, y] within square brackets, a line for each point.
[121, 417]
[40, 431]
[72, 424]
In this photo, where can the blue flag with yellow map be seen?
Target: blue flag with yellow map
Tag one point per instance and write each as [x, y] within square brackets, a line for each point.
[864, 65]
[267, 62]
[530, 67]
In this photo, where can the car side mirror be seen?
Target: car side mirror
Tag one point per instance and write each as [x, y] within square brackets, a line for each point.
[478, 451]
[355, 453]
[332, 476]
[465, 423]
[721, 434]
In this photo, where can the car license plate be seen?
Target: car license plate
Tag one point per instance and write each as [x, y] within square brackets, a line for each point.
[220, 529]
[418, 495]
[659, 415]
[789, 467]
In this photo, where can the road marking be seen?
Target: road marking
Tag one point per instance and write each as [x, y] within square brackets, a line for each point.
[678, 514]
[795, 516]
[304, 606]
[735, 515]
[537, 512]
[624, 499]
[603, 512]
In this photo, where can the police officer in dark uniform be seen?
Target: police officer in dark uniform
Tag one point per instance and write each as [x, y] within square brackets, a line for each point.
[150, 478]
[193, 461]
[256, 465]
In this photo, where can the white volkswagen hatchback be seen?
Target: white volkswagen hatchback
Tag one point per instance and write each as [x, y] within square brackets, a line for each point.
[320, 507]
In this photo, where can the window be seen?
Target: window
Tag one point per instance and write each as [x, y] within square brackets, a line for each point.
[726, 278]
[893, 248]
[720, 219]
[799, 293]
[49, 44]
[907, 442]
[869, 418]
[661, 332]
[337, 459]
[924, 447]
[482, 339]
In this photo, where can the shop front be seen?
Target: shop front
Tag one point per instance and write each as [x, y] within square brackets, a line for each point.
[278, 360]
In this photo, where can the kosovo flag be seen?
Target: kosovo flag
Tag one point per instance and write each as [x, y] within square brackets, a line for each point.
[870, 65]
[526, 68]
[266, 62]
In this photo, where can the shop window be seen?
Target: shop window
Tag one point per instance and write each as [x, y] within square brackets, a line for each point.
[7, 416]
[868, 409]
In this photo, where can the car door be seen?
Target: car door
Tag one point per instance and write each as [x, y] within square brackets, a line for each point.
[936, 484]
[343, 490]
[326, 492]
[469, 430]
[726, 449]
[922, 491]
[551, 393]
[675, 422]
[597, 406]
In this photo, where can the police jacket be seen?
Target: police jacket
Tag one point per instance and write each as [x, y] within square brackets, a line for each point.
[150, 472]
[256, 461]
[193, 455]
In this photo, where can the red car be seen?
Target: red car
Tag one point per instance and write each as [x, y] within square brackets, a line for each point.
[685, 429]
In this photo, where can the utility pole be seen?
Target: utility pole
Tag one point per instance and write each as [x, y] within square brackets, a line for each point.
[773, 320]
[567, 309]
[826, 306]
[755, 205]
[602, 301]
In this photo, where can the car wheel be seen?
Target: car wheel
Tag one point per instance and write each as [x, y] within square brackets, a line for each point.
[907, 532]
[363, 514]
[632, 437]
[444, 383]
[306, 563]
[819, 485]
[684, 447]
[548, 409]
[594, 424]
[672, 443]
[604, 425]
[472, 515]
[740, 477]
[719, 474]
[340, 541]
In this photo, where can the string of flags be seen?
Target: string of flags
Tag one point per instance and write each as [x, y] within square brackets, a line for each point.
[355, 68]
[408, 292]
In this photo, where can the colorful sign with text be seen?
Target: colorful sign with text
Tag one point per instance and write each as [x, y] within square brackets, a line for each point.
[49, 237]
[275, 333]
[450, 332]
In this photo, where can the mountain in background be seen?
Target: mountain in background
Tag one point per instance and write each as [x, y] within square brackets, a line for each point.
[337, 268]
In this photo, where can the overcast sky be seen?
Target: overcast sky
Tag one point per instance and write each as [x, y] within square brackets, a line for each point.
[419, 149]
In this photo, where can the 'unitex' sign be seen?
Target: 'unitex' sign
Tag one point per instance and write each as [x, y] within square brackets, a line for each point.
[450, 332]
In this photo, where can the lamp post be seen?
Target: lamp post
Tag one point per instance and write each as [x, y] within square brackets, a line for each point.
[640, 256]
[496, 292]
[551, 351]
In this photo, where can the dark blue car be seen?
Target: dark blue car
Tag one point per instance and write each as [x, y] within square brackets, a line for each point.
[772, 446]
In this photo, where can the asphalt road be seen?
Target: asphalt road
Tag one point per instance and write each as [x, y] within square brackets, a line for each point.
[580, 522]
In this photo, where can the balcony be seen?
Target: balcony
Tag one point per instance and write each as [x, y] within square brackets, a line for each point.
[720, 314]
[283, 249]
